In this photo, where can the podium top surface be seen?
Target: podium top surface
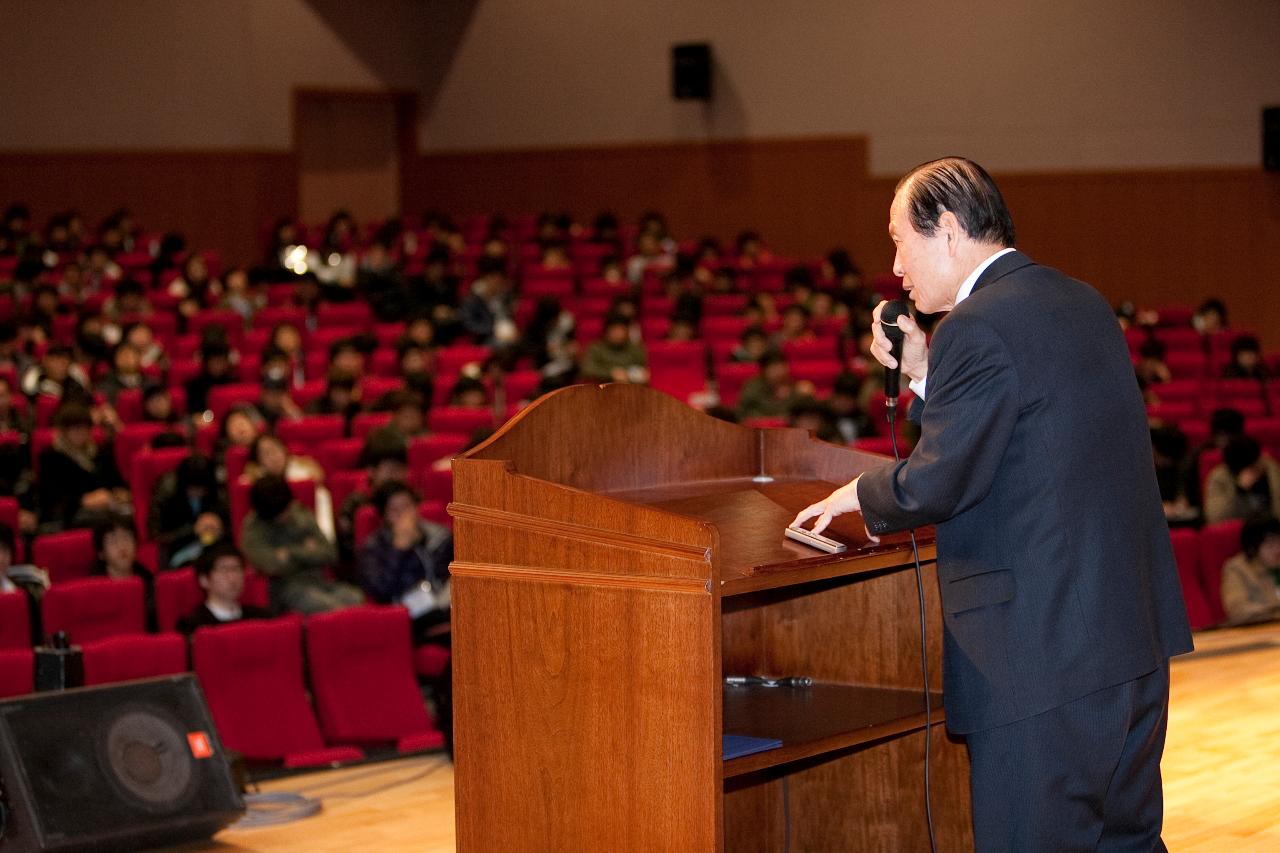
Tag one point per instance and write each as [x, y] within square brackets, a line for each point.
[646, 449]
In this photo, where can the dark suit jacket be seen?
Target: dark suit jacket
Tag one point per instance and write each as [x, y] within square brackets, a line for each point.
[1056, 572]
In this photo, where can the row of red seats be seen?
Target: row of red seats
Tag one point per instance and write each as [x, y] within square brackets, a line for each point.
[360, 667]
[1200, 555]
[1181, 399]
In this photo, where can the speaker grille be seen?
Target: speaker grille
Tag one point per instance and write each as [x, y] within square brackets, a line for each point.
[101, 765]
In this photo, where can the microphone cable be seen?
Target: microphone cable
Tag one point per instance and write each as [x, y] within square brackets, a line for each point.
[890, 415]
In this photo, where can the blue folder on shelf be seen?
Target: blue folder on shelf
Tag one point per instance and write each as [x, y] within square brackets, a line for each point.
[736, 746]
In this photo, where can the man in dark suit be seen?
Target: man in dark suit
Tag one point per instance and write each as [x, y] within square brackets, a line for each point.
[1060, 595]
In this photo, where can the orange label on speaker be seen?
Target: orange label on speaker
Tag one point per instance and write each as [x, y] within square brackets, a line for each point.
[200, 746]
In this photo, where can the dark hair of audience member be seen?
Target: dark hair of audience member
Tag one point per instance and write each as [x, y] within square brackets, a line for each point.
[105, 528]
[270, 496]
[1255, 531]
[384, 493]
[1241, 452]
[210, 556]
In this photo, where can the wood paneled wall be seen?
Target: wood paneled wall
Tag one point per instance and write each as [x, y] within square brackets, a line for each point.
[220, 200]
[1155, 237]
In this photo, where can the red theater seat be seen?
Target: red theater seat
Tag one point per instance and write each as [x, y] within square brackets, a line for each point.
[93, 608]
[133, 656]
[678, 367]
[355, 316]
[427, 449]
[362, 677]
[459, 419]
[304, 434]
[1218, 543]
[1186, 553]
[251, 673]
[9, 518]
[223, 397]
[66, 555]
[365, 423]
[341, 454]
[148, 467]
[134, 438]
[15, 624]
[17, 672]
[731, 377]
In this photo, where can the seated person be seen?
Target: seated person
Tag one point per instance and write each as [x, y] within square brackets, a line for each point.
[341, 397]
[385, 458]
[187, 515]
[1246, 360]
[57, 375]
[1151, 367]
[216, 368]
[406, 560]
[815, 416]
[1246, 483]
[78, 485]
[770, 394]
[851, 422]
[125, 374]
[795, 326]
[408, 414]
[157, 404]
[268, 455]
[615, 357]
[117, 547]
[220, 573]
[274, 403]
[1251, 579]
[752, 346]
[282, 540]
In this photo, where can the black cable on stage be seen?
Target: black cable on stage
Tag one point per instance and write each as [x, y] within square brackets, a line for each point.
[924, 649]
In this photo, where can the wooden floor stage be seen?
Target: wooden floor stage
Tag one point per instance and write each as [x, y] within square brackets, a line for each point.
[1221, 771]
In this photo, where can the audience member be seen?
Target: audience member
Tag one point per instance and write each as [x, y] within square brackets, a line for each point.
[341, 397]
[57, 375]
[79, 485]
[1151, 367]
[850, 420]
[270, 456]
[157, 404]
[187, 515]
[274, 403]
[769, 394]
[1246, 360]
[1224, 425]
[1169, 452]
[117, 548]
[216, 368]
[1246, 483]
[1211, 317]
[126, 372]
[616, 357]
[385, 459]
[282, 540]
[220, 573]
[1251, 579]
[488, 311]
[406, 560]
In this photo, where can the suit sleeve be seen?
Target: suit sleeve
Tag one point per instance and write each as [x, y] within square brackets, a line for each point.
[966, 423]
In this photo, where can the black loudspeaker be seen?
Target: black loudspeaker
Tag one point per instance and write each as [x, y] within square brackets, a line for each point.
[691, 72]
[1271, 139]
[114, 768]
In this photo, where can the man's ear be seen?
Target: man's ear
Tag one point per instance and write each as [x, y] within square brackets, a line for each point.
[949, 227]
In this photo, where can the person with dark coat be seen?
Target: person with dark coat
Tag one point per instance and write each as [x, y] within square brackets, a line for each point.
[1061, 601]
[186, 513]
[78, 483]
[406, 560]
[220, 573]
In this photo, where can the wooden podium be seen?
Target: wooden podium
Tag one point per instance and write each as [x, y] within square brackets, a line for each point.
[617, 555]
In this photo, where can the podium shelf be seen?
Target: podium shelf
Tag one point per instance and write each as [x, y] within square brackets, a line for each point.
[818, 719]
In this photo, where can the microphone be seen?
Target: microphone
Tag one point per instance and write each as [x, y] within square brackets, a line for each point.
[889, 325]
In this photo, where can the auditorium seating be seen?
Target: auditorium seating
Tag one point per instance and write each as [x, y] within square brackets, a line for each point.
[9, 518]
[17, 672]
[1186, 552]
[15, 624]
[93, 608]
[362, 678]
[66, 555]
[1218, 543]
[252, 675]
[132, 656]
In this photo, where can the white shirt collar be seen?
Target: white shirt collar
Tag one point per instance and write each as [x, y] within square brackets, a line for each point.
[224, 614]
[966, 287]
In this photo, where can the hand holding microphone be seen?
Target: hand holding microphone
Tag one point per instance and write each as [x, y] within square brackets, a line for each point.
[911, 357]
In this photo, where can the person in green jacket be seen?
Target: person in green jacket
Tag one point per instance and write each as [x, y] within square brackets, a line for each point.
[615, 357]
[282, 540]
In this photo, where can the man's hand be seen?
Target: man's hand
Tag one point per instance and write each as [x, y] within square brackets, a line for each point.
[915, 350]
[842, 500]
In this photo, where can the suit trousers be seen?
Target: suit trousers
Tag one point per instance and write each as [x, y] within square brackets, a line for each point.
[1084, 776]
